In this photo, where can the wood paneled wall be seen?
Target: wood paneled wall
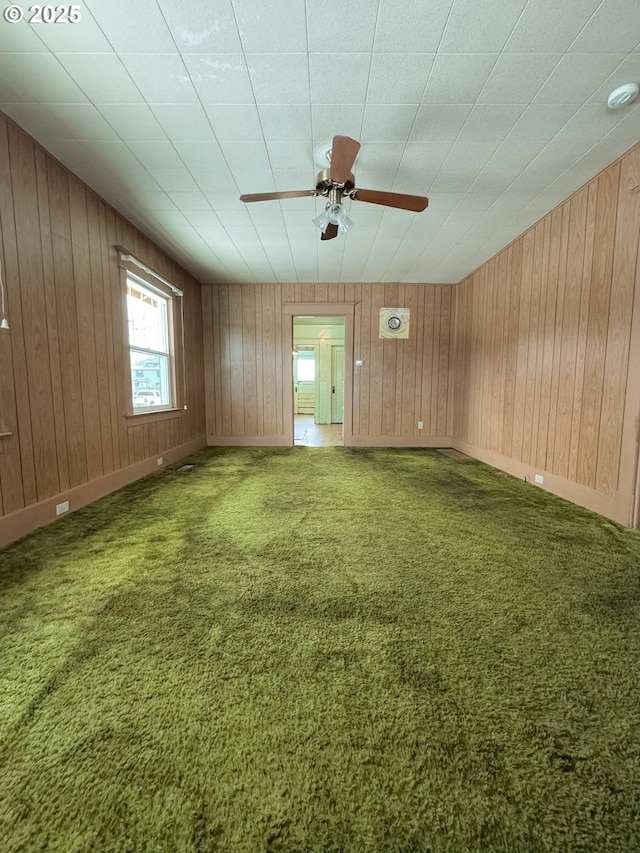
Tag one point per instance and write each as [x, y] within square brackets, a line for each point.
[543, 335]
[65, 359]
[402, 381]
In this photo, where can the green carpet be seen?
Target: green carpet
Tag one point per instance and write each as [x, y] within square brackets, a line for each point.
[321, 650]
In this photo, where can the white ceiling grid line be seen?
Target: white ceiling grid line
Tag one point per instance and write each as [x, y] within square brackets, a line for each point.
[496, 110]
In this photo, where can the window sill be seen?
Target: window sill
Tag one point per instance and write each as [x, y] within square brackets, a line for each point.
[162, 415]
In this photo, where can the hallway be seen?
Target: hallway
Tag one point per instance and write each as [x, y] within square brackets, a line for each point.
[309, 434]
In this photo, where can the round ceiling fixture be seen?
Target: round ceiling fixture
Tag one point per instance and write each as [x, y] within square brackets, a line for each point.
[322, 155]
[622, 96]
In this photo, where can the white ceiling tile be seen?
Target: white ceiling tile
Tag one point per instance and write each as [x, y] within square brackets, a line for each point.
[290, 155]
[342, 27]
[171, 218]
[339, 78]
[439, 122]
[478, 201]
[475, 27]
[398, 78]
[409, 25]
[190, 201]
[414, 181]
[592, 121]
[123, 24]
[628, 71]
[387, 122]
[175, 180]
[331, 119]
[84, 35]
[542, 121]
[204, 219]
[448, 181]
[285, 123]
[255, 181]
[22, 37]
[294, 178]
[517, 77]
[494, 180]
[491, 121]
[614, 27]
[161, 77]
[552, 160]
[133, 121]
[103, 78]
[381, 155]
[240, 155]
[625, 134]
[202, 26]
[279, 78]
[220, 78]
[375, 179]
[239, 122]
[37, 78]
[154, 200]
[576, 77]
[136, 180]
[515, 153]
[424, 155]
[266, 213]
[184, 121]
[38, 120]
[458, 78]
[155, 153]
[540, 29]
[212, 181]
[84, 121]
[443, 203]
[200, 154]
[469, 155]
[226, 201]
[279, 26]
[112, 153]
[72, 153]
[470, 140]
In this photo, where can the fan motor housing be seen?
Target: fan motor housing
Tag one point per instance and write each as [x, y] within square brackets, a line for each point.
[324, 184]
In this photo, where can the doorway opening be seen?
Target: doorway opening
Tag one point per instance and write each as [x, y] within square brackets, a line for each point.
[318, 380]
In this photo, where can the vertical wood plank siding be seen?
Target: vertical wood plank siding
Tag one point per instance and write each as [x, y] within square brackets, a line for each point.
[64, 360]
[402, 381]
[559, 335]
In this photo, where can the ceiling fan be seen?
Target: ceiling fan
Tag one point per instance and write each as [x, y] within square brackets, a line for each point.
[338, 182]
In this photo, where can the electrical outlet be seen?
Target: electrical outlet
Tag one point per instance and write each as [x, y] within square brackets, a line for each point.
[159, 460]
[420, 424]
[62, 508]
[539, 479]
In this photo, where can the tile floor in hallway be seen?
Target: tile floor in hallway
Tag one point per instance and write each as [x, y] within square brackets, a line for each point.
[309, 434]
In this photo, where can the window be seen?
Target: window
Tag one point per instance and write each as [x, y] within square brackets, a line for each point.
[306, 366]
[149, 317]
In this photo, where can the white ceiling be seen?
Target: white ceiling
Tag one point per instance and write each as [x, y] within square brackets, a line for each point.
[495, 109]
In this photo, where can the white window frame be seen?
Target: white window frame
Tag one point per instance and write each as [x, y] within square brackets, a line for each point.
[139, 274]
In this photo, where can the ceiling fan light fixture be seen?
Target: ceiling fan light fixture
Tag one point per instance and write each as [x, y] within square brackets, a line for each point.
[333, 214]
[322, 220]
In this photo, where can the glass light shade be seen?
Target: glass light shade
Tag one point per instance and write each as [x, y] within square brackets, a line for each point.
[336, 215]
[322, 220]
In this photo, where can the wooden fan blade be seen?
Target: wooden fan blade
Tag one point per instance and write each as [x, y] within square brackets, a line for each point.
[330, 232]
[273, 196]
[401, 200]
[344, 151]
